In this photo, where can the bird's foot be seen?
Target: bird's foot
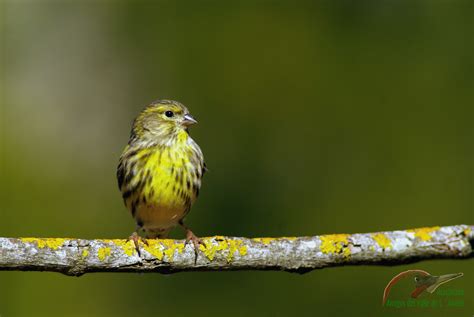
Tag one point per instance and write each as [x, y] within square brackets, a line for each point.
[136, 239]
[191, 237]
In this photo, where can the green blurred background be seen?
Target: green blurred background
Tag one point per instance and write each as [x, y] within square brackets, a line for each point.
[314, 117]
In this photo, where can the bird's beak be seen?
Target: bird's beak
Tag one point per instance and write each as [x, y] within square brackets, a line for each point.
[443, 279]
[189, 120]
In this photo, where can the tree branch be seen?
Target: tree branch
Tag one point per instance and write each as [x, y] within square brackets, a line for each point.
[295, 254]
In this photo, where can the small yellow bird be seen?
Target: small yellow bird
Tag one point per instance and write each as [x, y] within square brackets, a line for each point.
[160, 170]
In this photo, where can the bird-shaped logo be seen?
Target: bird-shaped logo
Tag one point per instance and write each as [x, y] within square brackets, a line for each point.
[424, 281]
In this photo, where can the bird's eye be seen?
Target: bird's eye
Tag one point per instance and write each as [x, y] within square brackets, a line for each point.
[169, 114]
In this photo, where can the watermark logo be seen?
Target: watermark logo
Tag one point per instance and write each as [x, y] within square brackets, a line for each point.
[425, 282]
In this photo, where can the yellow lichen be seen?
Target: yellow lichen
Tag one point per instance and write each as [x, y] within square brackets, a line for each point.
[51, 243]
[467, 231]
[170, 246]
[127, 246]
[236, 246]
[424, 233]
[103, 253]
[346, 252]
[335, 243]
[154, 248]
[265, 241]
[213, 246]
[382, 240]
[85, 253]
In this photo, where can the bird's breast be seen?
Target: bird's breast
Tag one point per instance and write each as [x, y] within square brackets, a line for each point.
[159, 183]
[171, 176]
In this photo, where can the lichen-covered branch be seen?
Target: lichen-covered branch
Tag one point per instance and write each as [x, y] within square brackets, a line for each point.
[296, 254]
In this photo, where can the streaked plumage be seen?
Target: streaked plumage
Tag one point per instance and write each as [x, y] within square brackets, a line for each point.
[160, 170]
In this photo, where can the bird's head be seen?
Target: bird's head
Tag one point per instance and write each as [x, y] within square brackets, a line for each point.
[423, 281]
[161, 121]
[432, 282]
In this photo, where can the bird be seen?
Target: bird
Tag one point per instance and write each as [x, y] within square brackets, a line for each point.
[160, 171]
[423, 281]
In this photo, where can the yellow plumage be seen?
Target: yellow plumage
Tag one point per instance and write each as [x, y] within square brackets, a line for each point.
[160, 170]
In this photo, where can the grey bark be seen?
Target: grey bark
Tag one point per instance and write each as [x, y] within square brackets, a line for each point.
[294, 254]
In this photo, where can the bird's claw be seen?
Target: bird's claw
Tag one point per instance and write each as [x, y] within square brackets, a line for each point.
[191, 237]
[136, 239]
